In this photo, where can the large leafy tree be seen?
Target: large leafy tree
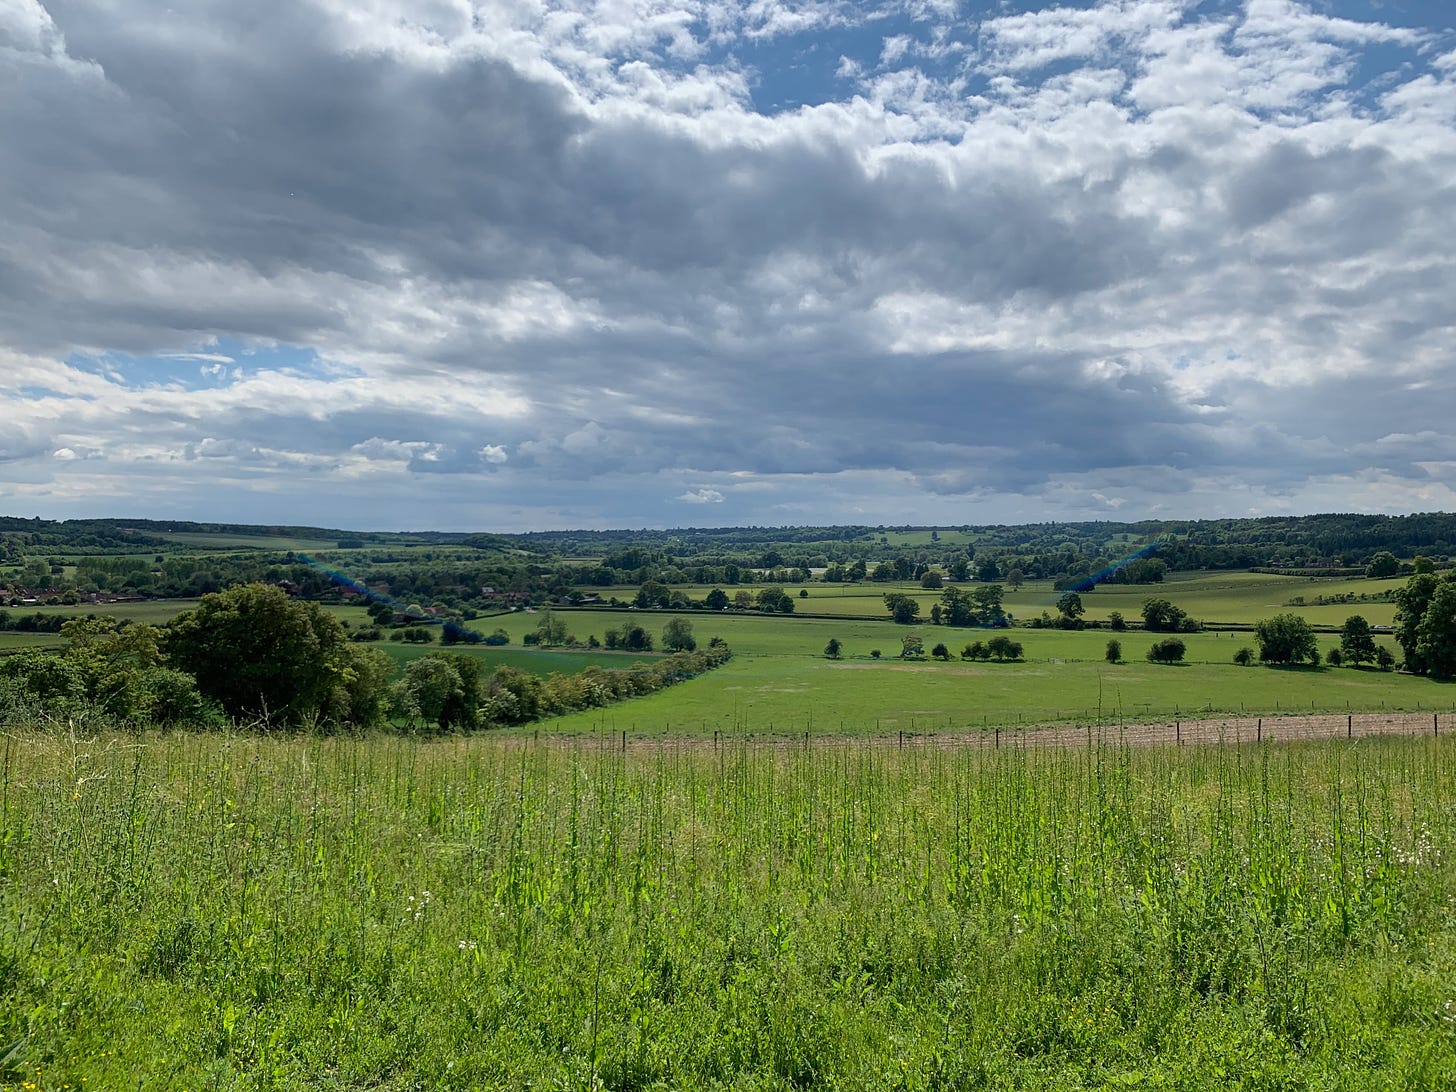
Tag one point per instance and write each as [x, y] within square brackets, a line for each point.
[903, 608]
[263, 655]
[1436, 634]
[1410, 609]
[1357, 643]
[1159, 615]
[1286, 639]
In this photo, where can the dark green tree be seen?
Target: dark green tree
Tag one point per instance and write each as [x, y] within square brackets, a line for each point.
[903, 608]
[1436, 634]
[1169, 650]
[1161, 616]
[1357, 643]
[262, 655]
[1286, 639]
[1114, 651]
[1383, 564]
[987, 599]
[833, 648]
[677, 636]
[957, 608]
[717, 599]
[1071, 610]
[1411, 602]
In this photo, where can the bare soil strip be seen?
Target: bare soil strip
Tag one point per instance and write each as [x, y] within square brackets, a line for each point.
[1217, 730]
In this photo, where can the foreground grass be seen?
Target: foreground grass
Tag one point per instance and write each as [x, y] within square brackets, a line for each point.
[199, 912]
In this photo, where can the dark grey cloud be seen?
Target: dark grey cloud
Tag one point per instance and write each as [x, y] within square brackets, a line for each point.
[547, 259]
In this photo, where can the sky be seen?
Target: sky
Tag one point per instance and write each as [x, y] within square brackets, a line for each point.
[638, 263]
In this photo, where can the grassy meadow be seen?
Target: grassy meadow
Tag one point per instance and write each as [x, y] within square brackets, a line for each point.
[206, 912]
[780, 682]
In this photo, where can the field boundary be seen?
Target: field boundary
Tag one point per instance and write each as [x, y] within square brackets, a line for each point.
[1222, 731]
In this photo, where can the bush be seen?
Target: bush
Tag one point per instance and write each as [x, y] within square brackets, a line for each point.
[1169, 650]
[1114, 651]
[940, 652]
[1244, 656]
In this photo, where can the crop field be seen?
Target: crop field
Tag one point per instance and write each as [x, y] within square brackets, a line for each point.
[187, 912]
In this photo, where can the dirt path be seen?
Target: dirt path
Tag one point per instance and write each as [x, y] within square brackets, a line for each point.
[1228, 730]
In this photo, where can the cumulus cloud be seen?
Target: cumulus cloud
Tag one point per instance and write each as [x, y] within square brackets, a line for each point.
[524, 264]
[701, 496]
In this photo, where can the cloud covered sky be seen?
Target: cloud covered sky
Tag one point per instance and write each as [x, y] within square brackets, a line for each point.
[528, 264]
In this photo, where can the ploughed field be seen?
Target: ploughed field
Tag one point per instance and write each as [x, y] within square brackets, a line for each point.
[195, 911]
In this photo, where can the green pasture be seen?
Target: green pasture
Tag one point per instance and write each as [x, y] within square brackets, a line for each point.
[10, 640]
[1244, 597]
[538, 661]
[154, 611]
[1224, 597]
[220, 541]
[231, 913]
[780, 681]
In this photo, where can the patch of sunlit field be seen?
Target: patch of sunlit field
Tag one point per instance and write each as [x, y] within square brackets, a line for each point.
[190, 911]
[780, 680]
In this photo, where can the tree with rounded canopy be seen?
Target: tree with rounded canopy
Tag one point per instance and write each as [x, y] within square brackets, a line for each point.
[833, 648]
[1286, 639]
[1169, 650]
[903, 608]
[1004, 648]
[260, 654]
[1357, 643]
[717, 599]
[1411, 603]
[1160, 615]
[1383, 564]
[1436, 634]
[677, 636]
[1070, 606]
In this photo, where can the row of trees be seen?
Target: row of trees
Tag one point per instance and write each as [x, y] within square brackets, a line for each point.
[254, 655]
[978, 606]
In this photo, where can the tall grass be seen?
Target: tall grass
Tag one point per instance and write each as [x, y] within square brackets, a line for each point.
[204, 912]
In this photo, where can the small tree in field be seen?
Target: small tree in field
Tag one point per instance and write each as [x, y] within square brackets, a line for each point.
[940, 652]
[1115, 621]
[1334, 657]
[1357, 643]
[832, 649]
[1286, 639]
[1169, 650]
[1004, 648]
[1383, 658]
[1114, 651]
[677, 636]
[911, 646]
[1244, 656]
[976, 650]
